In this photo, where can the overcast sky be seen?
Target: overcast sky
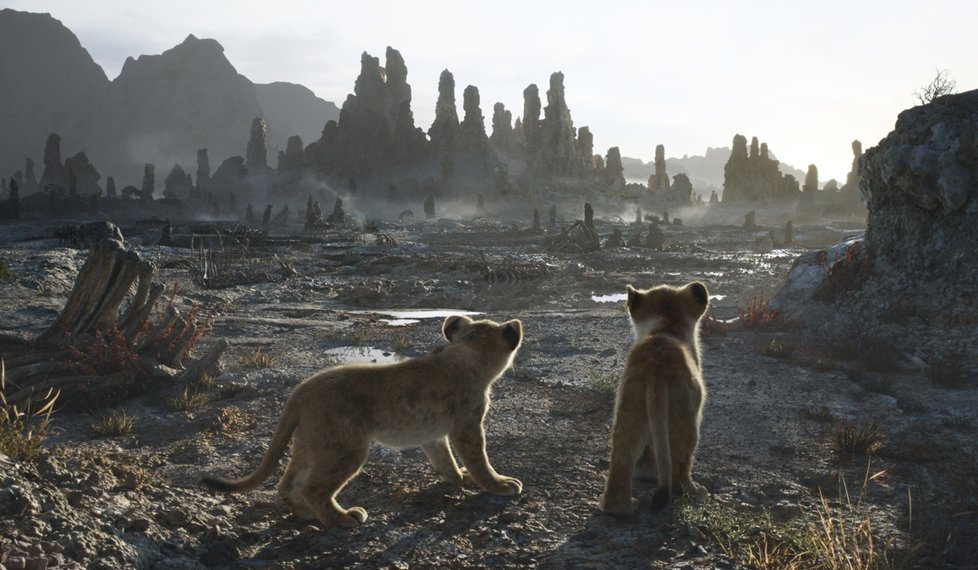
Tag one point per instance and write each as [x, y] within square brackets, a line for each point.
[806, 77]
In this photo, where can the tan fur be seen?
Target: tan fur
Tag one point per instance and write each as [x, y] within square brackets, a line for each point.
[659, 404]
[431, 401]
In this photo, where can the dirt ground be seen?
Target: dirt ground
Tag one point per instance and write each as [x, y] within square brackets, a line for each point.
[776, 403]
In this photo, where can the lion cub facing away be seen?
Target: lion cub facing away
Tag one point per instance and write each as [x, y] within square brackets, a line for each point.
[659, 404]
[428, 401]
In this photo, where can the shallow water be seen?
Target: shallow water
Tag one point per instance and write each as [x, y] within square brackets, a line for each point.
[362, 355]
[405, 317]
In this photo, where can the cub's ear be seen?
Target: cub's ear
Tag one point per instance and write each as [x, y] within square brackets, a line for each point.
[699, 292]
[634, 297]
[513, 333]
[453, 325]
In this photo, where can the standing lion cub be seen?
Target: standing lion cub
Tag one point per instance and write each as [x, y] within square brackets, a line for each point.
[660, 397]
[430, 401]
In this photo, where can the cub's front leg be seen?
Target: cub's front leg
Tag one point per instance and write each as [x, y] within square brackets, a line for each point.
[469, 440]
[441, 458]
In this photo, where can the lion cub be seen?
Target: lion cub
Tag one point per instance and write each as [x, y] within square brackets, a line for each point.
[660, 397]
[428, 401]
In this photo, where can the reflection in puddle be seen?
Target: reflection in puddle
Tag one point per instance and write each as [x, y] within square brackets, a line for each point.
[405, 317]
[362, 355]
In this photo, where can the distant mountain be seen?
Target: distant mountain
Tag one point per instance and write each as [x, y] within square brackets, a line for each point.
[287, 109]
[705, 172]
[160, 109]
[48, 82]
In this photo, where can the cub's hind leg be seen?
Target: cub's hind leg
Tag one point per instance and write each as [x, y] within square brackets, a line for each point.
[685, 435]
[440, 455]
[629, 437]
[332, 468]
[296, 475]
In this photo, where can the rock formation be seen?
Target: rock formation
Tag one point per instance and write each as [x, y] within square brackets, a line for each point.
[531, 121]
[557, 154]
[83, 175]
[585, 149]
[445, 131]
[203, 172]
[55, 176]
[613, 170]
[110, 191]
[30, 178]
[149, 182]
[473, 127]
[755, 177]
[853, 178]
[503, 135]
[256, 157]
[659, 181]
[178, 184]
[293, 157]
[811, 179]
[229, 176]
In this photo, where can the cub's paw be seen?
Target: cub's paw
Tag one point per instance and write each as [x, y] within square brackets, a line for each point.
[695, 490]
[466, 477]
[618, 508]
[353, 517]
[506, 486]
[457, 478]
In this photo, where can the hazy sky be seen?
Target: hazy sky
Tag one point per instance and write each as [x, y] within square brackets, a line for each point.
[806, 77]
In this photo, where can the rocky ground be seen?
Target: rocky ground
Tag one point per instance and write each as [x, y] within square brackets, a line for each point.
[779, 404]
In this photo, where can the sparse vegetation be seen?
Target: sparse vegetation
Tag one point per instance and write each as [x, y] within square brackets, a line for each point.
[258, 359]
[846, 274]
[951, 374]
[604, 382]
[849, 438]
[776, 349]
[827, 537]
[229, 419]
[111, 424]
[878, 384]
[757, 314]
[24, 427]
[941, 85]
[187, 400]
[5, 272]
[819, 413]
[404, 344]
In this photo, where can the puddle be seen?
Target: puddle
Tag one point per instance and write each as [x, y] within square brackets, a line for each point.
[613, 298]
[405, 317]
[362, 355]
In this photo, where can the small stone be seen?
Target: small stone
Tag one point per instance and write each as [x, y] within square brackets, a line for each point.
[75, 498]
[177, 517]
[140, 524]
[36, 564]
[16, 563]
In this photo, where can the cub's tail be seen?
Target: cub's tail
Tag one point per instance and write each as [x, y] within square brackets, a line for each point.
[276, 448]
[657, 405]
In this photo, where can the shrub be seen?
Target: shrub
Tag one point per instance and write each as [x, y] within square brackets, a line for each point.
[24, 427]
[187, 400]
[758, 314]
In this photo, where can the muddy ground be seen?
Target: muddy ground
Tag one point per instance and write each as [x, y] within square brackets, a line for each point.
[775, 400]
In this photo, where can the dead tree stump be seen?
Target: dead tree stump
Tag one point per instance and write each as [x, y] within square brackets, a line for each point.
[98, 342]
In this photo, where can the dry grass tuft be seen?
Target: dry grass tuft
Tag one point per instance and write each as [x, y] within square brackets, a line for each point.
[952, 374]
[257, 360]
[111, 424]
[187, 401]
[604, 383]
[849, 438]
[23, 427]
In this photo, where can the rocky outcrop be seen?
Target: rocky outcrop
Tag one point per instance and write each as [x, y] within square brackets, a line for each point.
[909, 282]
[30, 177]
[659, 181]
[503, 138]
[376, 126]
[530, 125]
[613, 170]
[149, 182]
[558, 153]
[585, 149]
[755, 177]
[853, 178]
[445, 130]
[293, 157]
[473, 126]
[256, 156]
[55, 176]
[291, 109]
[82, 176]
[203, 171]
[229, 176]
[178, 184]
